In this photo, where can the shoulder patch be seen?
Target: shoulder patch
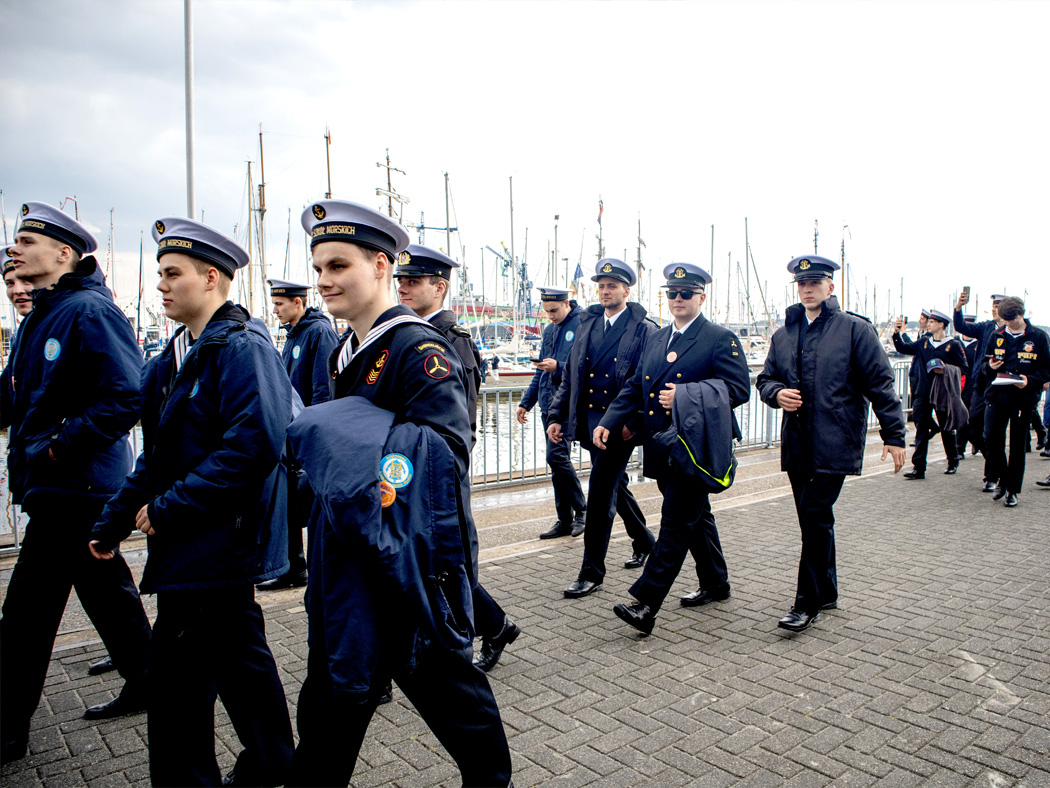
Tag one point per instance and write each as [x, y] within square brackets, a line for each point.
[436, 366]
[423, 347]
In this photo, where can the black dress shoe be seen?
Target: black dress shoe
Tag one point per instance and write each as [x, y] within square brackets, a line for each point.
[581, 588]
[492, 648]
[129, 701]
[914, 474]
[703, 596]
[1046, 483]
[951, 469]
[388, 694]
[102, 666]
[290, 580]
[1011, 501]
[638, 616]
[999, 493]
[636, 561]
[797, 620]
[1045, 452]
[558, 529]
[989, 487]
[577, 525]
[13, 749]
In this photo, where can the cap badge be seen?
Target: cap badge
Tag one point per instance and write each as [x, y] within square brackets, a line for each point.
[25, 209]
[804, 265]
[679, 273]
[7, 252]
[606, 268]
[404, 258]
[160, 227]
[319, 211]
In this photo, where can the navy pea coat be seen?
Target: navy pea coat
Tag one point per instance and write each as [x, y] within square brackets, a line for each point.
[305, 355]
[703, 352]
[384, 582]
[852, 369]
[556, 343]
[634, 327]
[74, 389]
[210, 472]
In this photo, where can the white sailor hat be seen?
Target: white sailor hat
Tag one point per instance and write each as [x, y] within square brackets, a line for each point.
[970, 318]
[553, 294]
[686, 275]
[997, 298]
[8, 261]
[340, 220]
[937, 314]
[925, 313]
[185, 236]
[615, 269]
[419, 260]
[279, 287]
[812, 267]
[44, 219]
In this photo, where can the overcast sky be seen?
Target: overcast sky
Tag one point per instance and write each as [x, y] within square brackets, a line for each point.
[923, 126]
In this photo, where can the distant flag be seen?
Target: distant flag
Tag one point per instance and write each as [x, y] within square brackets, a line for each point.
[601, 209]
[579, 273]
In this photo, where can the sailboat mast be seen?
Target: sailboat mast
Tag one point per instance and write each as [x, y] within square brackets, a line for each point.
[138, 306]
[328, 161]
[251, 209]
[191, 208]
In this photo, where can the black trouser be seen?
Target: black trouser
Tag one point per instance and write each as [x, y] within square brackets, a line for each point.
[686, 526]
[568, 494]
[300, 502]
[608, 494]
[207, 644]
[54, 558]
[488, 615]
[999, 415]
[451, 695]
[815, 495]
[924, 430]
[1037, 425]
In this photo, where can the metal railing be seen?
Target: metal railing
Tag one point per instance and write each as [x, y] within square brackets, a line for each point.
[508, 452]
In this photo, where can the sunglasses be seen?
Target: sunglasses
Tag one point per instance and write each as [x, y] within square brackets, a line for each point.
[685, 294]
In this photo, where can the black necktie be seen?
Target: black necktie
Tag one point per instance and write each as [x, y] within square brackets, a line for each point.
[608, 325]
[674, 338]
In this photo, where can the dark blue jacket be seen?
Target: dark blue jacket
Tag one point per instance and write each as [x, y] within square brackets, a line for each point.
[702, 431]
[74, 376]
[924, 350]
[556, 343]
[384, 582]
[623, 351]
[305, 355]
[852, 370]
[703, 352]
[210, 471]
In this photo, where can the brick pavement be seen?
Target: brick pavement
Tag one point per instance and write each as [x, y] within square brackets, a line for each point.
[934, 671]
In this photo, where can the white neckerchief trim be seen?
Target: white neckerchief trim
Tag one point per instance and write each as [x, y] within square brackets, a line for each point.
[182, 347]
[347, 354]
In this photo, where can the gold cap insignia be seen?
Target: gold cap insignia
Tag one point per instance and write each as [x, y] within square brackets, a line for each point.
[319, 211]
[404, 258]
[679, 273]
[160, 227]
[804, 265]
[25, 209]
[606, 268]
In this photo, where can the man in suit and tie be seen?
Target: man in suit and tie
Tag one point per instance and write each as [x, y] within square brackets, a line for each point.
[690, 350]
[606, 354]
